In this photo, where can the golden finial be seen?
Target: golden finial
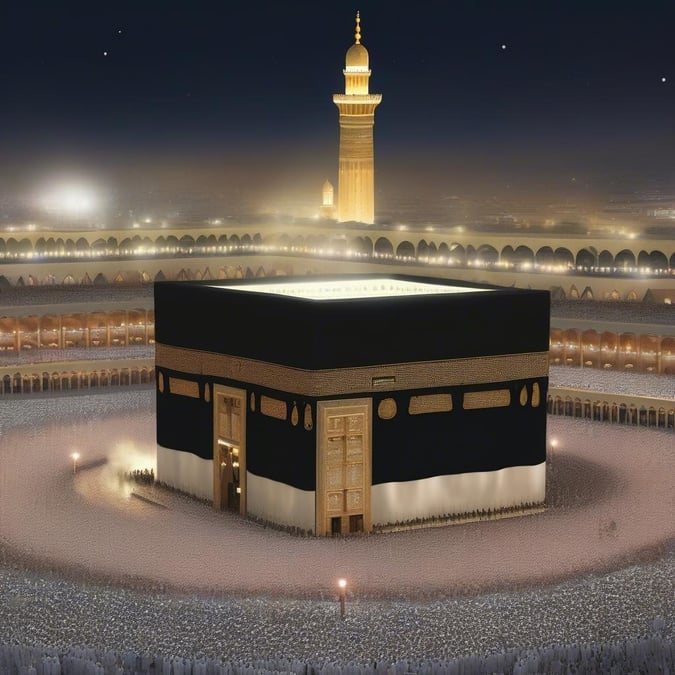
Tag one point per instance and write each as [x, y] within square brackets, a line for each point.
[357, 35]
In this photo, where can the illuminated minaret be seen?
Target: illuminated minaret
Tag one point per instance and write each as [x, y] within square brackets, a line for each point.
[328, 206]
[356, 179]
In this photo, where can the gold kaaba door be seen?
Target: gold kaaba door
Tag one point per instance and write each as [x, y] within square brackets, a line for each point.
[343, 466]
[229, 448]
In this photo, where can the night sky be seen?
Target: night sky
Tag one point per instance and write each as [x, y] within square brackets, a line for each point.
[206, 94]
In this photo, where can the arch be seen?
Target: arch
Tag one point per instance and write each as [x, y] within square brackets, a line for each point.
[405, 250]
[624, 259]
[658, 261]
[246, 240]
[40, 247]
[563, 257]
[578, 407]
[544, 256]
[187, 243]
[643, 259]
[361, 246]
[507, 255]
[422, 249]
[36, 382]
[383, 248]
[632, 414]
[486, 255]
[25, 247]
[585, 259]
[661, 418]
[606, 260]
[443, 252]
[457, 255]
[523, 256]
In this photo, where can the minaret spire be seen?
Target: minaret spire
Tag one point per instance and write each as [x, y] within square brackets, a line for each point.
[357, 34]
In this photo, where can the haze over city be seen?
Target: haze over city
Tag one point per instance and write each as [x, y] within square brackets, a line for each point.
[217, 109]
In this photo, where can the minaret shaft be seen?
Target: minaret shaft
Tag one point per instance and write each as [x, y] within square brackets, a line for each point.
[356, 169]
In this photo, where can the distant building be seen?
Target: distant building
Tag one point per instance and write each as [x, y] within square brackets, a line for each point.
[338, 404]
[327, 201]
[356, 173]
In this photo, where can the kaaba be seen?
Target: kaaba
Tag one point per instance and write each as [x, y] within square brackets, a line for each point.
[346, 404]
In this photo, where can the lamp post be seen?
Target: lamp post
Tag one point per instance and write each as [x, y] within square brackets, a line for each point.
[75, 456]
[342, 584]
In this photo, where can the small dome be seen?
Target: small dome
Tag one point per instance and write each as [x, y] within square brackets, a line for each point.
[357, 57]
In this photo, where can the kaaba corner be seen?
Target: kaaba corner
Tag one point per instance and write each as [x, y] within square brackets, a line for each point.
[345, 404]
